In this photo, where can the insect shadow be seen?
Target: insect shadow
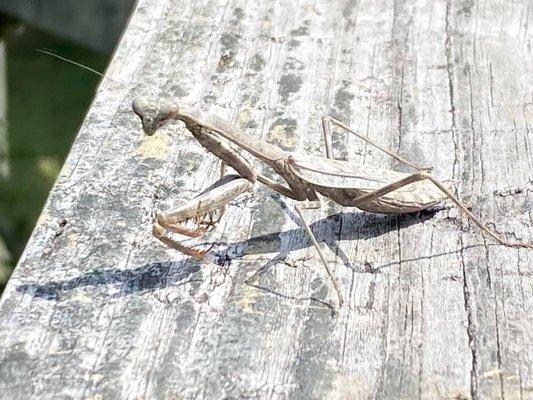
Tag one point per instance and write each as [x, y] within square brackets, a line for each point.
[329, 230]
[150, 276]
[161, 274]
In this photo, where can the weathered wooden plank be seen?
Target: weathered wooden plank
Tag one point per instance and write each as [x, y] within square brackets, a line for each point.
[98, 308]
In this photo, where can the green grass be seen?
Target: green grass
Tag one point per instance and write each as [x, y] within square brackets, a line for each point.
[47, 101]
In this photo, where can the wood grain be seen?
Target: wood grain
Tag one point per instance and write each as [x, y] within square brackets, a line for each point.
[98, 309]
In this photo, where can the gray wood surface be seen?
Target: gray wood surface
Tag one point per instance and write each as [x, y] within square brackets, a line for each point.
[98, 309]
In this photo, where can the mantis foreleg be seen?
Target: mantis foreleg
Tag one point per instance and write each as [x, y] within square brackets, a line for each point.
[199, 209]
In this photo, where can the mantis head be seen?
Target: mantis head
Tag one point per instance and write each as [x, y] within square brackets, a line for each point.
[154, 113]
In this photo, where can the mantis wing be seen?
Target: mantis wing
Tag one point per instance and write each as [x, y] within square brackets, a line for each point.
[344, 182]
[340, 174]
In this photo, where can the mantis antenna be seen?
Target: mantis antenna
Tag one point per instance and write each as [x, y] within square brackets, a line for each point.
[85, 67]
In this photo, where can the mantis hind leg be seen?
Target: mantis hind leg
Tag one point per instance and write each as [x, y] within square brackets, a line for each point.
[376, 194]
[472, 217]
[200, 210]
[422, 174]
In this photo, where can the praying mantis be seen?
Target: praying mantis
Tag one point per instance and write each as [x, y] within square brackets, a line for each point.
[306, 177]
[348, 184]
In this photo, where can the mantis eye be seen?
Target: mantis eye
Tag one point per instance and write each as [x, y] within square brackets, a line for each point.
[168, 110]
[141, 105]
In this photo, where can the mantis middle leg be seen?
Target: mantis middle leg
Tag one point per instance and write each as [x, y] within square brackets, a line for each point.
[313, 205]
[298, 207]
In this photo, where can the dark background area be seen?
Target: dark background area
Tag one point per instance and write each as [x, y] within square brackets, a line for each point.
[46, 101]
